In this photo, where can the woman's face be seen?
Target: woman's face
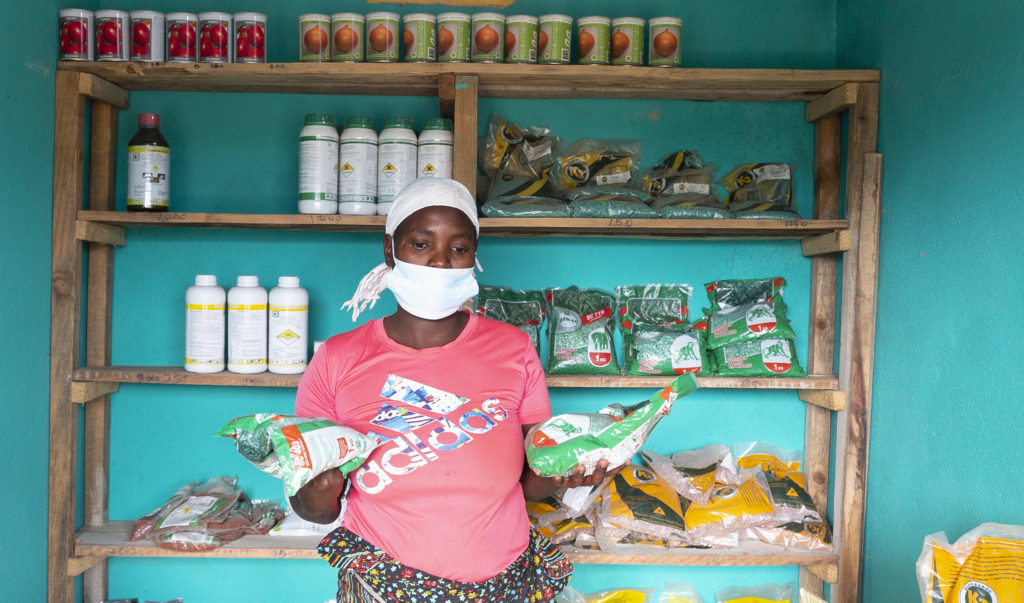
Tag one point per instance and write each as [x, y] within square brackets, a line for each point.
[440, 237]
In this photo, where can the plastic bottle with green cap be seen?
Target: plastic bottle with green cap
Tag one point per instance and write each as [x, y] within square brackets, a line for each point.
[318, 165]
[434, 149]
[396, 160]
[357, 177]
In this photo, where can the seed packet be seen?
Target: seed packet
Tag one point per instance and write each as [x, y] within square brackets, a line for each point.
[682, 171]
[732, 508]
[580, 332]
[528, 206]
[522, 309]
[637, 499]
[615, 433]
[622, 595]
[297, 449]
[760, 358]
[596, 162]
[729, 294]
[512, 149]
[609, 202]
[674, 592]
[765, 593]
[656, 338]
[758, 187]
[758, 320]
[983, 565]
[504, 186]
[809, 535]
[690, 206]
[694, 473]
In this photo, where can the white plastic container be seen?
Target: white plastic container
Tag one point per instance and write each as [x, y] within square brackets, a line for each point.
[204, 326]
[75, 30]
[357, 172]
[215, 43]
[247, 326]
[147, 36]
[435, 148]
[289, 327]
[396, 160]
[182, 37]
[318, 165]
[112, 35]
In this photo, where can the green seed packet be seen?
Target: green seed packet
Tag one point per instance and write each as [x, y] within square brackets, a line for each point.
[580, 330]
[609, 202]
[760, 358]
[523, 309]
[525, 207]
[667, 350]
[732, 293]
[759, 320]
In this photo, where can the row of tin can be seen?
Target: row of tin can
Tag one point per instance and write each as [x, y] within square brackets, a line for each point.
[488, 37]
[145, 35]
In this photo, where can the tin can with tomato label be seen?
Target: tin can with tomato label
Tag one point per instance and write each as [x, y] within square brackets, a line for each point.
[314, 38]
[215, 38]
[347, 37]
[182, 37]
[453, 38]
[382, 37]
[521, 39]
[250, 38]
[554, 40]
[112, 29]
[419, 37]
[592, 40]
[74, 28]
[627, 41]
[488, 38]
[663, 35]
[147, 33]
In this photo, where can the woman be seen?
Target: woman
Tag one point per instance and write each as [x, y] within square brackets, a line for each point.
[437, 512]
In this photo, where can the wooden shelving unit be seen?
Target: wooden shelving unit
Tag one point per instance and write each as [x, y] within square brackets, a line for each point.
[837, 389]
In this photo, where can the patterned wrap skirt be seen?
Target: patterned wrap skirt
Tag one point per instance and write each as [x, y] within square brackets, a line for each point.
[367, 574]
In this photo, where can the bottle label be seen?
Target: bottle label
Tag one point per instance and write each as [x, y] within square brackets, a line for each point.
[396, 167]
[287, 343]
[247, 334]
[149, 169]
[358, 172]
[434, 160]
[204, 335]
[318, 169]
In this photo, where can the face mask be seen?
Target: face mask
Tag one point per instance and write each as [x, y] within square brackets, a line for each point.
[428, 292]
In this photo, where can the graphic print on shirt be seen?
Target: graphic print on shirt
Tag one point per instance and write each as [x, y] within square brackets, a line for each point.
[397, 427]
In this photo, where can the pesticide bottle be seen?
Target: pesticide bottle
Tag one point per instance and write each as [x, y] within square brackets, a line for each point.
[357, 181]
[247, 326]
[318, 165]
[204, 326]
[396, 160]
[289, 327]
[434, 149]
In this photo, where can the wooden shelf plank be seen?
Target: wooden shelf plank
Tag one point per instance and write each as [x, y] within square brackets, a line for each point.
[173, 375]
[495, 80]
[513, 227]
[111, 540]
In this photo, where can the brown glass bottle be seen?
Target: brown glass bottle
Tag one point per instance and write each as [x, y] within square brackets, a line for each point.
[149, 166]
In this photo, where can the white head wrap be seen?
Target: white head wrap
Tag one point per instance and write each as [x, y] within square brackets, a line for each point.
[420, 193]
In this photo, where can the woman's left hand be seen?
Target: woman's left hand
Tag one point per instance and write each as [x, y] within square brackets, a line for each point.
[578, 477]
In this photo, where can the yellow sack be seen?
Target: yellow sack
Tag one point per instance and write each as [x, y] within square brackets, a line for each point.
[985, 565]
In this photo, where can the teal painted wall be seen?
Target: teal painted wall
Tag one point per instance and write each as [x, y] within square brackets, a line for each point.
[945, 442]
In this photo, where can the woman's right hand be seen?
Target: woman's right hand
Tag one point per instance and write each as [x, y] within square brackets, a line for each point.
[319, 500]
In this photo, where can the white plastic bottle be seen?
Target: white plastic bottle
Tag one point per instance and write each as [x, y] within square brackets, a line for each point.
[396, 160]
[204, 326]
[435, 148]
[318, 165]
[247, 326]
[357, 180]
[289, 327]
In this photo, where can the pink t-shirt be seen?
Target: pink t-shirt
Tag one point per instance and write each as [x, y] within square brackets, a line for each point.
[442, 493]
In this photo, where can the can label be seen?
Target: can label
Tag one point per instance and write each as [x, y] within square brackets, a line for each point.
[521, 41]
[664, 36]
[554, 41]
[148, 176]
[251, 41]
[181, 41]
[358, 172]
[74, 39]
[453, 39]
[487, 40]
[111, 39]
[592, 42]
[148, 38]
[627, 42]
[347, 40]
[381, 38]
[314, 41]
[419, 39]
[214, 41]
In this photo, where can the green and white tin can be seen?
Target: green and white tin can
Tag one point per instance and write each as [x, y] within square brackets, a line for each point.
[314, 37]
[382, 37]
[418, 37]
[627, 41]
[488, 37]
[663, 35]
[592, 40]
[554, 39]
[453, 38]
[521, 39]
[347, 37]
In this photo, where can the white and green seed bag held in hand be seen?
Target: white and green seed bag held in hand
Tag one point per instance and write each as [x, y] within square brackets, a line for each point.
[297, 449]
[615, 433]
